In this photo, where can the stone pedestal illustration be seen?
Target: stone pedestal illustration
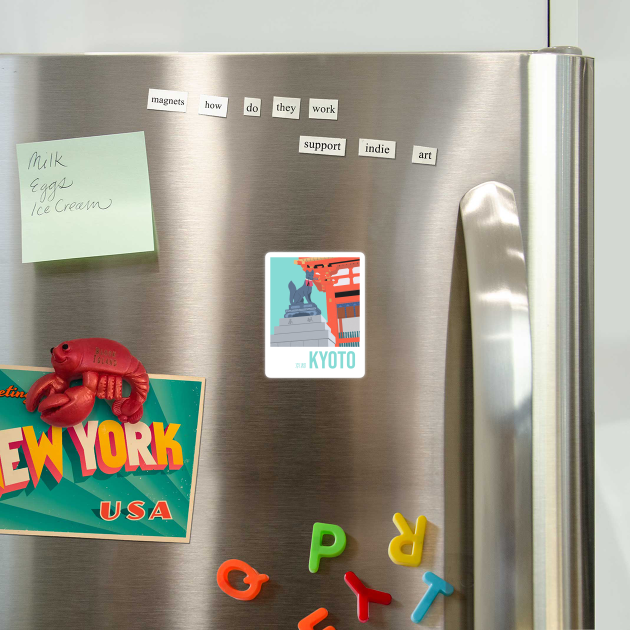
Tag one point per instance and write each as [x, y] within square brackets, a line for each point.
[303, 324]
[302, 330]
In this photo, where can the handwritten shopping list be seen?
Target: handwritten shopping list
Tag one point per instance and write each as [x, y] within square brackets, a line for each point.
[85, 197]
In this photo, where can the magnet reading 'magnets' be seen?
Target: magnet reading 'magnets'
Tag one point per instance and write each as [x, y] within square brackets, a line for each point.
[103, 364]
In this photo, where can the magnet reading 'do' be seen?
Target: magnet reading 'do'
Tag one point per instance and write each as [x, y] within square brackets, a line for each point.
[102, 364]
[315, 315]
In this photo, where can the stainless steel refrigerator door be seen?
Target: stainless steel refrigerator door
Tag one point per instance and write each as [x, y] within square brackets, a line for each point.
[278, 455]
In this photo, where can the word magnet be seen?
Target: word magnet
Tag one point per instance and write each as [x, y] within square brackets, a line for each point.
[323, 108]
[424, 155]
[252, 577]
[319, 551]
[167, 100]
[377, 148]
[285, 107]
[251, 106]
[213, 105]
[322, 146]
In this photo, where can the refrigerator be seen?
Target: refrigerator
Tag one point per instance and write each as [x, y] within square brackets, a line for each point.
[460, 212]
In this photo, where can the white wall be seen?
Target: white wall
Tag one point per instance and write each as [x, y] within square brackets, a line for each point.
[270, 25]
[604, 27]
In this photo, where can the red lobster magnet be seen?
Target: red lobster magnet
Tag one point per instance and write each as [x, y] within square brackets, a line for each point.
[103, 364]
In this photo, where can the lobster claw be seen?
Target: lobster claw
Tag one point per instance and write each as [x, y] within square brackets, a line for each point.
[43, 386]
[128, 410]
[68, 408]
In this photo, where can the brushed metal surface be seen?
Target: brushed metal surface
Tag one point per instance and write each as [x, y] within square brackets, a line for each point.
[276, 455]
[502, 369]
[560, 276]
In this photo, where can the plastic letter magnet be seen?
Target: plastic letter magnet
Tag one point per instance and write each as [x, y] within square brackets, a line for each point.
[319, 551]
[308, 623]
[407, 537]
[365, 596]
[436, 586]
[252, 577]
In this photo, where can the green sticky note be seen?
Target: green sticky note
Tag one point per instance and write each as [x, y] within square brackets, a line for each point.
[85, 197]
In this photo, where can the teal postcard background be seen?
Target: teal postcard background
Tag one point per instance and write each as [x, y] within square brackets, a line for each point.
[72, 505]
[281, 271]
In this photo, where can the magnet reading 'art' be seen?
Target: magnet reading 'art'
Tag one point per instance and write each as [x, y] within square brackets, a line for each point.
[252, 577]
[407, 537]
[102, 364]
[319, 551]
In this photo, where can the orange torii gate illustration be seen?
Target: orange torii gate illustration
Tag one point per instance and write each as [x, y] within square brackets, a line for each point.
[342, 298]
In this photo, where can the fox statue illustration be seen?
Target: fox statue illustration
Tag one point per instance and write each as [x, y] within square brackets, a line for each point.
[297, 296]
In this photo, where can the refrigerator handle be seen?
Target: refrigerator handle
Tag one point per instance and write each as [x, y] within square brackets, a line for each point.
[502, 374]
